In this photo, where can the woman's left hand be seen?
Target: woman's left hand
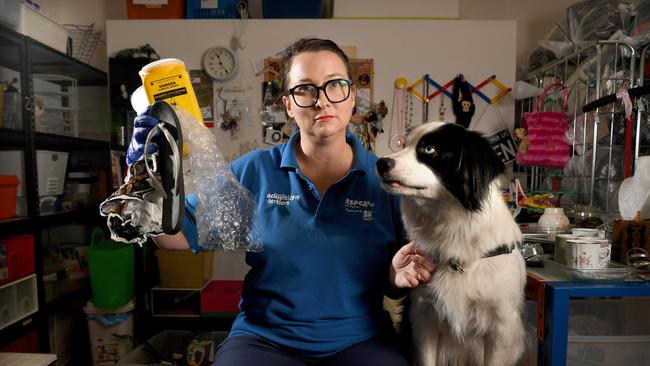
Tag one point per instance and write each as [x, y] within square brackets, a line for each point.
[409, 269]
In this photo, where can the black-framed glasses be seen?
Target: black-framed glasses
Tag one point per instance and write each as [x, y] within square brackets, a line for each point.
[336, 91]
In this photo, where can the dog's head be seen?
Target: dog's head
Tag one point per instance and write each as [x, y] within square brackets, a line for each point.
[441, 159]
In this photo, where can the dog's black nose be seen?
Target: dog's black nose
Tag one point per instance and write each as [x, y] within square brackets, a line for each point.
[384, 165]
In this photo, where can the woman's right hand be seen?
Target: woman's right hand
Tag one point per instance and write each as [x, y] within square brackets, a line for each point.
[142, 125]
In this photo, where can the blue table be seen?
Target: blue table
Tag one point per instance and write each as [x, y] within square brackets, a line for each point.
[552, 295]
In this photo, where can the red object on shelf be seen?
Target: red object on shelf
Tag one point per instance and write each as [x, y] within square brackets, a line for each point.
[174, 9]
[221, 297]
[8, 195]
[20, 257]
[25, 344]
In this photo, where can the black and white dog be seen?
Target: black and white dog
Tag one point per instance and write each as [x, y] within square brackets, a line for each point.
[470, 311]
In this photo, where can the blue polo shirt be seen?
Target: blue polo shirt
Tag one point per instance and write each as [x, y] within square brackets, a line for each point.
[317, 286]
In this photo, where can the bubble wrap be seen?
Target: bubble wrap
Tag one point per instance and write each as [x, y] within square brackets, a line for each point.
[225, 214]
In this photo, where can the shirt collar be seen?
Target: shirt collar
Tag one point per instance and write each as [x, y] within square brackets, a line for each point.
[360, 165]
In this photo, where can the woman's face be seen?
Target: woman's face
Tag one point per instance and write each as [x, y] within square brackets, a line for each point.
[324, 119]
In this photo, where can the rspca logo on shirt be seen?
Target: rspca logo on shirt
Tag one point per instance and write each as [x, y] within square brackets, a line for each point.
[280, 199]
[364, 207]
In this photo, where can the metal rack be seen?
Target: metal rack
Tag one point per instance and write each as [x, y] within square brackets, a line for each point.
[599, 69]
[55, 104]
[56, 78]
[84, 41]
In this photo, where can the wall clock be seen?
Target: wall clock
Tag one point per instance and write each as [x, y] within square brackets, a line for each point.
[219, 63]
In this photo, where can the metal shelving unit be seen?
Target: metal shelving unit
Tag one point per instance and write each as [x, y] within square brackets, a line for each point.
[30, 61]
[594, 71]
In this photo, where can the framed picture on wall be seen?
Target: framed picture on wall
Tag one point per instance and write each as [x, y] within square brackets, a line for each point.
[203, 87]
[363, 78]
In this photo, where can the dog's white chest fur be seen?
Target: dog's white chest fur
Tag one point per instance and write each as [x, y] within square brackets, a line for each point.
[456, 312]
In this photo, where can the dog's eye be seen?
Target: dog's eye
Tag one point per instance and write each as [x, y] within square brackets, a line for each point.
[431, 150]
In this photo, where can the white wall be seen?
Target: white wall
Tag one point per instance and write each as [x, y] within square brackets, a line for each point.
[534, 18]
[399, 48]
[441, 9]
[84, 12]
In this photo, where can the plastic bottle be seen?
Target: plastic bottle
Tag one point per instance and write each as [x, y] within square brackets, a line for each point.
[168, 80]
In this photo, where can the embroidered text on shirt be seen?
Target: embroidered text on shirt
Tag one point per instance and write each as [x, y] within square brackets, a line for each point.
[280, 199]
[362, 206]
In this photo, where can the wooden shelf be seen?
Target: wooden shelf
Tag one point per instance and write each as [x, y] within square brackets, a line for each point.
[59, 291]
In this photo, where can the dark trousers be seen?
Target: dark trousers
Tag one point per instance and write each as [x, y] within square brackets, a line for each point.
[254, 351]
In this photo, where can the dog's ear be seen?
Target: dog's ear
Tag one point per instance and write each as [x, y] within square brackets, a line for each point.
[479, 165]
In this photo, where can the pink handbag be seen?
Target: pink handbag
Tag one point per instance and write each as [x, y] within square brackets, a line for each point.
[547, 145]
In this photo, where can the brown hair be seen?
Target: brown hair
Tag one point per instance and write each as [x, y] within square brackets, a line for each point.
[309, 45]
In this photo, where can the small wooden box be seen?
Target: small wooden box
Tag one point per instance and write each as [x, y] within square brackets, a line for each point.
[627, 235]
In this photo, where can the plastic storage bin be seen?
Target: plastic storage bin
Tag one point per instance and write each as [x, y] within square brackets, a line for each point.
[19, 300]
[51, 167]
[223, 9]
[20, 257]
[110, 332]
[174, 9]
[42, 28]
[294, 9]
[8, 195]
[220, 297]
[606, 351]
[28, 343]
[609, 332]
[13, 163]
[184, 269]
[111, 270]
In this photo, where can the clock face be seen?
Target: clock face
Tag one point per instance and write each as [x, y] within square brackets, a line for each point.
[219, 63]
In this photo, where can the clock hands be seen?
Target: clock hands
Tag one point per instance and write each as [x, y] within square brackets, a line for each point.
[221, 63]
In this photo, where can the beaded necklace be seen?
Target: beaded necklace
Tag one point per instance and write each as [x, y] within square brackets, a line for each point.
[408, 112]
[396, 141]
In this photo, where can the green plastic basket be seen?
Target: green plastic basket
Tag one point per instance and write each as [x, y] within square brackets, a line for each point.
[111, 268]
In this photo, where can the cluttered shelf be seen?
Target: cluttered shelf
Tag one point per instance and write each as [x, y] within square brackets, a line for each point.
[50, 141]
[60, 291]
[18, 224]
[11, 138]
[14, 223]
[85, 214]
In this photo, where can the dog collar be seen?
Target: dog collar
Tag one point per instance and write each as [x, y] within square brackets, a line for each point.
[501, 249]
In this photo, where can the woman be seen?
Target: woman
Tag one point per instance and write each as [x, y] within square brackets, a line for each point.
[332, 237]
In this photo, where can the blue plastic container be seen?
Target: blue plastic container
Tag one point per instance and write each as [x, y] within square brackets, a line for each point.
[227, 9]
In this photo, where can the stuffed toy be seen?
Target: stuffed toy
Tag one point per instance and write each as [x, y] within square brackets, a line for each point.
[521, 136]
[463, 104]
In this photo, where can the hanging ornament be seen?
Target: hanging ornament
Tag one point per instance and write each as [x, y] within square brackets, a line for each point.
[463, 104]
[396, 140]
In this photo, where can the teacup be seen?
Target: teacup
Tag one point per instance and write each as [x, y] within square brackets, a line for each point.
[604, 244]
[587, 254]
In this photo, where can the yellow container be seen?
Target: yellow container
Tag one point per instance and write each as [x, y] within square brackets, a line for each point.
[168, 80]
[184, 269]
